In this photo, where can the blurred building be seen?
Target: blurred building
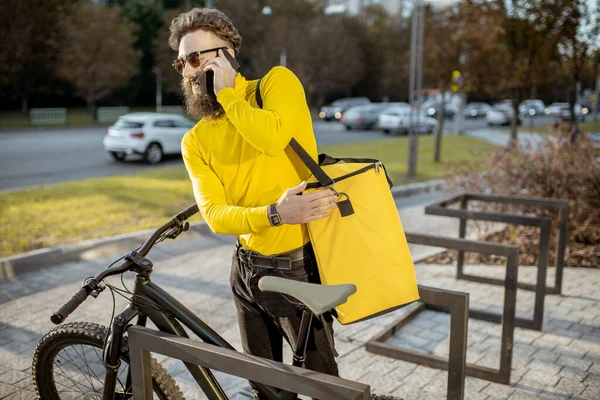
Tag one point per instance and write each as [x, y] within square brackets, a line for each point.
[353, 7]
[393, 7]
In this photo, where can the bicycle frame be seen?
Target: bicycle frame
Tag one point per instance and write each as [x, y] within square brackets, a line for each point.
[169, 322]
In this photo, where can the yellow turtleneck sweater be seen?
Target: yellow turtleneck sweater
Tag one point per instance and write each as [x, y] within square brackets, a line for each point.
[239, 164]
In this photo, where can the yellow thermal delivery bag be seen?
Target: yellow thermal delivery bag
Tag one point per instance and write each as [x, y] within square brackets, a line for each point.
[362, 242]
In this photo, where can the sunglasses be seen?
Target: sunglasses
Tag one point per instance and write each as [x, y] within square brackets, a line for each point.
[193, 59]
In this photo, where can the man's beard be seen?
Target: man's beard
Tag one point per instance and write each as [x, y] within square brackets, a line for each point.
[200, 105]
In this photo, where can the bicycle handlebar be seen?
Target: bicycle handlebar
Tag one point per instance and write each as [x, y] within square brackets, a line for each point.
[70, 306]
[83, 293]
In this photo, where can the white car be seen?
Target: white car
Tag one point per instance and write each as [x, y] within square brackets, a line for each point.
[554, 108]
[400, 119]
[151, 135]
[532, 107]
[500, 114]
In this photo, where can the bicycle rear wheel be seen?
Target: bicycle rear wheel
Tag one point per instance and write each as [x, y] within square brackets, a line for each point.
[67, 364]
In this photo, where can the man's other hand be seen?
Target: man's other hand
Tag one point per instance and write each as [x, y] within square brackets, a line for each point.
[295, 209]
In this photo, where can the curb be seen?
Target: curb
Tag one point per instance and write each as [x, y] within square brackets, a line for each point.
[20, 264]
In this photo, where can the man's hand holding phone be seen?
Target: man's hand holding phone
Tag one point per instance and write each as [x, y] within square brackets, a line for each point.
[224, 73]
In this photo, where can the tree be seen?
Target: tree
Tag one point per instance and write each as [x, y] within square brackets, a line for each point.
[321, 50]
[146, 15]
[97, 54]
[577, 45]
[30, 32]
[441, 57]
[531, 31]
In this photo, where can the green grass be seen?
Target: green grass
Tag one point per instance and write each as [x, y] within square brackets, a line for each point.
[585, 127]
[70, 212]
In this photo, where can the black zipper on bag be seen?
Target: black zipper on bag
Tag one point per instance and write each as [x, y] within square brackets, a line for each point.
[316, 185]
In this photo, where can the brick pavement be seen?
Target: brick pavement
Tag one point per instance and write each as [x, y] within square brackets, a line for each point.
[561, 362]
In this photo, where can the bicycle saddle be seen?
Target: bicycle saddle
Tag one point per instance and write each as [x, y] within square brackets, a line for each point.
[318, 298]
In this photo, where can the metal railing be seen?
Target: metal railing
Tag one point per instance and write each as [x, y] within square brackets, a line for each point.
[142, 341]
[171, 110]
[507, 318]
[543, 223]
[458, 306]
[45, 116]
[110, 114]
[464, 214]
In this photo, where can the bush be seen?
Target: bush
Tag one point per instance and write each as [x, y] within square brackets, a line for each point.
[558, 169]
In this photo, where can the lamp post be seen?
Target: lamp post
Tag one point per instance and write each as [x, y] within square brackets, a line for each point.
[415, 94]
[158, 73]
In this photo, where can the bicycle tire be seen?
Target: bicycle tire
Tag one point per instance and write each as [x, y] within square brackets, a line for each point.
[90, 334]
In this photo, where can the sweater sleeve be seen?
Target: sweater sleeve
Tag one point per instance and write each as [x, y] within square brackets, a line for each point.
[271, 128]
[212, 202]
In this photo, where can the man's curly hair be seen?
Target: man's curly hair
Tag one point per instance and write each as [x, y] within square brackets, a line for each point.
[207, 19]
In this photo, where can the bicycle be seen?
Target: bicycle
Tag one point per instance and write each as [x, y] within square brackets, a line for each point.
[108, 348]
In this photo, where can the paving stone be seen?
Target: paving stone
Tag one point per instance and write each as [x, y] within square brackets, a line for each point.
[591, 393]
[529, 386]
[545, 355]
[545, 378]
[573, 374]
[574, 363]
[569, 386]
[13, 376]
[495, 389]
[522, 395]
[551, 393]
[6, 390]
[592, 380]
[543, 366]
[22, 395]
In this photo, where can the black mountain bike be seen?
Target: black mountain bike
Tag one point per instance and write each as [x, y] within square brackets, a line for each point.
[84, 360]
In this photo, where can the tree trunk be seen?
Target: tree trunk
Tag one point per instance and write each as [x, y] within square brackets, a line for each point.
[440, 130]
[596, 95]
[515, 120]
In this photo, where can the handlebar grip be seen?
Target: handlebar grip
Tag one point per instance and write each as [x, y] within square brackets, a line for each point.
[188, 212]
[70, 306]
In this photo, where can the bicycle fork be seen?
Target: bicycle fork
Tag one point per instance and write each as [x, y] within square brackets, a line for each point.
[112, 351]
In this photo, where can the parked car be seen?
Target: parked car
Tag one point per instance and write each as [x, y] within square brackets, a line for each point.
[554, 108]
[501, 114]
[366, 117]
[399, 119]
[151, 135]
[476, 110]
[337, 108]
[433, 108]
[565, 112]
[362, 117]
[532, 107]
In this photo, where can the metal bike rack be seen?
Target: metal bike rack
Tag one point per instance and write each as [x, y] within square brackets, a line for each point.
[444, 300]
[562, 206]
[458, 306]
[545, 225]
[142, 341]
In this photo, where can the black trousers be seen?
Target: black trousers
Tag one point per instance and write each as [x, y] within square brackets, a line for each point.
[266, 318]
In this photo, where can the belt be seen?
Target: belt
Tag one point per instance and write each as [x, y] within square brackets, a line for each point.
[283, 261]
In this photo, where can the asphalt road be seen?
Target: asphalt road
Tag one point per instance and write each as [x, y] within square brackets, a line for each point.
[46, 156]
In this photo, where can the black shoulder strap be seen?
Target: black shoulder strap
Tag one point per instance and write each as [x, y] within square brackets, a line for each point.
[257, 94]
[313, 167]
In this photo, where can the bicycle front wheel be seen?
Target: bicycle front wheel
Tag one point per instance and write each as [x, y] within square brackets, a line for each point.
[67, 364]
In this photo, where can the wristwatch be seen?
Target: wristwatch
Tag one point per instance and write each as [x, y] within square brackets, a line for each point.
[274, 217]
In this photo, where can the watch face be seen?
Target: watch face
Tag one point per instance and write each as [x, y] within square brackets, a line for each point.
[276, 219]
